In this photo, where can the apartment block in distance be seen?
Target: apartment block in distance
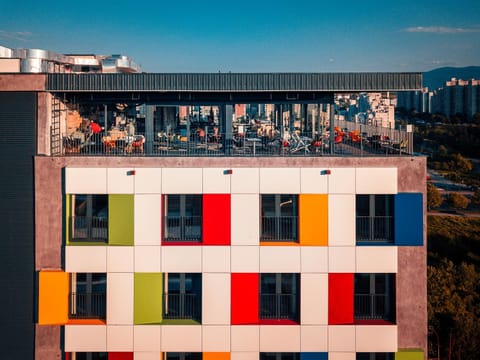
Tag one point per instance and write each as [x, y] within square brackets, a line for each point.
[134, 233]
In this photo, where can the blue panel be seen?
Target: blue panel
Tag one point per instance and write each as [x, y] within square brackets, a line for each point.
[409, 219]
[313, 356]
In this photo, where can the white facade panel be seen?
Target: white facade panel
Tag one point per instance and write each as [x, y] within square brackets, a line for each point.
[148, 180]
[313, 181]
[85, 338]
[341, 338]
[245, 259]
[341, 220]
[341, 181]
[314, 338]
[279, 338]
[120, 180]
[216, 181]
[280, 259]
[245, 338]
[120, 259]
[181, 259]
[376, 338]
[341, 356]
[245, 219]
[245, 181]
[279, 180]
[146, 338]
[244, 355]
[377, 259]
[341, 259]
[182, 181]
[376, 180]
[147, 259]
[147, 219]
[174, 336]
[314, 259]
[120, 298]
[91, 259]
[146, 355]
[120, 338]
[215, 299]
[216, 338]
[216, 259]
[85, 180]
[314, 299]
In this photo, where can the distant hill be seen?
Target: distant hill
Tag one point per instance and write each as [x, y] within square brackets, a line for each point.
[436, 78]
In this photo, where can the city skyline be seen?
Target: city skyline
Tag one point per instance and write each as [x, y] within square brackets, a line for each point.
[266, 36]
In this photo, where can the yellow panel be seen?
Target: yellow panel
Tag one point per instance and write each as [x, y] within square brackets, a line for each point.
[216, 356]
[313, 219]
[52, 297]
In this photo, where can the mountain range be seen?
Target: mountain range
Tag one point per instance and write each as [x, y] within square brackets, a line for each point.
[436, 78]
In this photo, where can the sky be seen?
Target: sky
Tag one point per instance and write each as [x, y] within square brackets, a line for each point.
[253, 36]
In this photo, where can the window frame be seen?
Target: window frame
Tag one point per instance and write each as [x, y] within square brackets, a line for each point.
[183, 221]
[367, 304]
[374, 226]
[90, 224]
[286, 302]
[279, 227]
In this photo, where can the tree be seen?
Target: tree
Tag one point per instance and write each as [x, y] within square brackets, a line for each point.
[460, 164]
[434, 197]
[476, 198]
[457, 201]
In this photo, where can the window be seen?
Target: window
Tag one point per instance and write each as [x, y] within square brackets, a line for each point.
[182, 297]
[183, 218]
[279, 221]
[89, 221]
[375, 297]
[279, 356]
[88, 296]
[183, 356]
[375, 356]
[374, 218]
[88, 356]
[279, 297]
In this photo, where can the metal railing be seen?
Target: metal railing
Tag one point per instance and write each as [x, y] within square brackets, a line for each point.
[374, 229]
[372, 307]
[88, 306]
[181, 306]
[279, 228]
[279, 306]
[183, 228]
[89, 228]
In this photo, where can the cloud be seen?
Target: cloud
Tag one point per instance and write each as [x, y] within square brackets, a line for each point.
[441, 30]
[15, 35]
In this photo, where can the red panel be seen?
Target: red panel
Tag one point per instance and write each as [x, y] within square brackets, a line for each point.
[244, 299]
[216, 219]
[340, 299]
[120, 356]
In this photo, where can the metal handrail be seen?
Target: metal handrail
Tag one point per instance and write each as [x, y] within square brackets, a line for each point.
[279, 228]
[278, 306]
[89, 228]
[372, 307]
[375, 229]
[181, 306]
[182, 228]
[88, 305]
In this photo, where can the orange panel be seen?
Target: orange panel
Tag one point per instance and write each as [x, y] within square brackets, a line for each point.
[313, 219]
[216, 356]
[52, 297]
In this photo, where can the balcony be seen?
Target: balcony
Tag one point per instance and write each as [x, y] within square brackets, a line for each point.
[279, 228]
[183, 228]
[182, 307]
[278, 307]
[373, 307]
[374, 229]
[89, 229]
[88, 305]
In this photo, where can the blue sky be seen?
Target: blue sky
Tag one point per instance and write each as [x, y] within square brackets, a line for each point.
[254, 36]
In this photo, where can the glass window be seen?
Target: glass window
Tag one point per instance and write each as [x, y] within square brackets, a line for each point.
[374, 219]
[88, 297]
[279, 296]
[375, 297]
[279, 217]
[89, 221]
[183, 218]
[182, 297]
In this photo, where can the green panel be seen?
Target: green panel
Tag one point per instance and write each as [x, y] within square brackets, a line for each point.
[409, 354]
[120, 219]
[148, 289]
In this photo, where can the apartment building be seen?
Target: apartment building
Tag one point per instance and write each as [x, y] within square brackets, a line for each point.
[134, 253]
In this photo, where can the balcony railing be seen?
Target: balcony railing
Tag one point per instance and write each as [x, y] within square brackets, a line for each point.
[375, 229]
[279, 228]
[89, 228]
[181, 307]
[372, 307]
[279, 306]
[87, 306]
[183, 228]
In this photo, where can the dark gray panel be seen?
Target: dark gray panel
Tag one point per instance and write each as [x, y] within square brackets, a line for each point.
[17, 267]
